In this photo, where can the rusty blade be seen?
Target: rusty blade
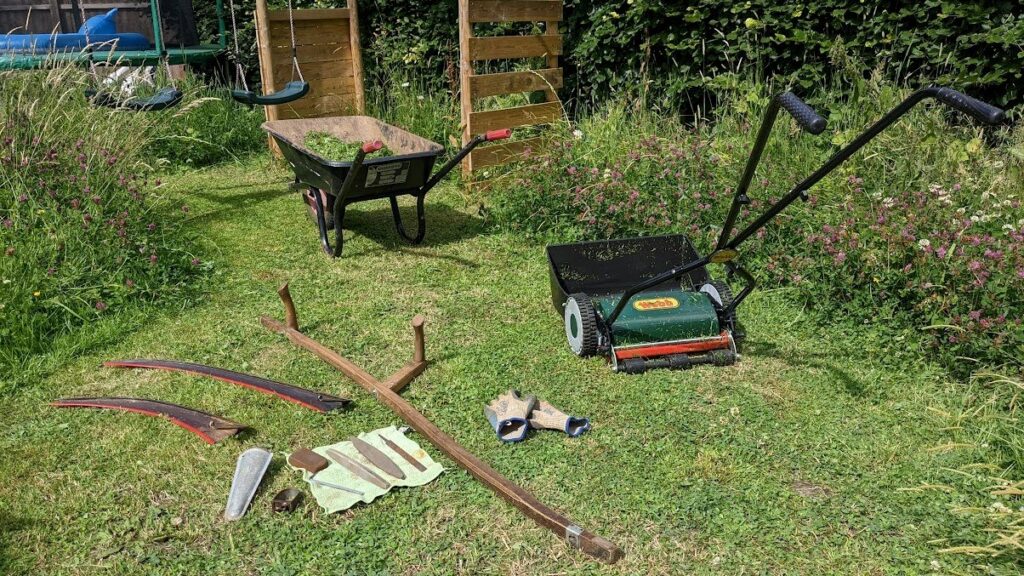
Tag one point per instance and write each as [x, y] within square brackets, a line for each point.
[378, 458]
[358, 469]
[408, 457]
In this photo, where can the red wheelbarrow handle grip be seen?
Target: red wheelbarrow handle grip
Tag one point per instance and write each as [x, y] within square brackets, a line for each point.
[492, 135]
[373, 146]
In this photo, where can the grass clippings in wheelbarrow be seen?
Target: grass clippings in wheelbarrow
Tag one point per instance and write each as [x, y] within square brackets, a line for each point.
[335, 149]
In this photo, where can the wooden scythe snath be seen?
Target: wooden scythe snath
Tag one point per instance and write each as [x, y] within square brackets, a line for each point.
[387, 393]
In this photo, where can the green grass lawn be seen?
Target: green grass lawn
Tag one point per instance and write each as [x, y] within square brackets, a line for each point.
[806, 458]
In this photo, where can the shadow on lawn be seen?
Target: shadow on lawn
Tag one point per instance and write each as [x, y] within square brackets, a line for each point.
[803, 359]
[445, 225]
[9, 526]
[235, 202]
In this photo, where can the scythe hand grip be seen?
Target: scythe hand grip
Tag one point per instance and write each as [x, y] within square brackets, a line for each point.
[980, 111]
[804, 115]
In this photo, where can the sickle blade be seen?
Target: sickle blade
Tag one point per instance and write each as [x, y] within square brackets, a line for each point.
[210, 428]
[378, 458]
[311, 399]
[358, 469]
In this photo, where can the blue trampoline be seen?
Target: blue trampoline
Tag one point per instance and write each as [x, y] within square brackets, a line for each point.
[99, 33]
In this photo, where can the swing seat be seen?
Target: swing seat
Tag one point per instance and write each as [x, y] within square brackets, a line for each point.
[291, 92]
[163, 99]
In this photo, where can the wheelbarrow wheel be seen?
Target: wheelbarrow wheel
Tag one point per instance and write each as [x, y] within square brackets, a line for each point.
[581, 325]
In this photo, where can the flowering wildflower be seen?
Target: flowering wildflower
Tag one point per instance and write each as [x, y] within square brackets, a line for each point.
[101, 305]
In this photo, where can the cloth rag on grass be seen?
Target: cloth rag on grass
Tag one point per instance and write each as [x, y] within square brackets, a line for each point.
[332, 500]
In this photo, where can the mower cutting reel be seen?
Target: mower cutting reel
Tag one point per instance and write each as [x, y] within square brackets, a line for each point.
[619, 300]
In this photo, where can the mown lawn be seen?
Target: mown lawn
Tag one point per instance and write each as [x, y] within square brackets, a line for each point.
[806, 458]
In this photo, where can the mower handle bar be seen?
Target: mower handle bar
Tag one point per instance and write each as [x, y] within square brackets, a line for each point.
[804, 115]
[985, 113]
[980, 111]
[489, 136]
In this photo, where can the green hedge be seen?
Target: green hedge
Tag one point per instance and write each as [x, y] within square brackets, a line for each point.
[677, 49]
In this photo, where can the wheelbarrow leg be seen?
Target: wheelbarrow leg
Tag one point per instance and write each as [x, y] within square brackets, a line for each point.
[420, 217]
[321, 223]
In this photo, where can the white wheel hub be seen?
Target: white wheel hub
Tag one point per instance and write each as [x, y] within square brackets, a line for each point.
[574, 326]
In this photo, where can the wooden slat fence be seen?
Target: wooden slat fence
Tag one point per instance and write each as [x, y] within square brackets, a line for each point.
[473, 86]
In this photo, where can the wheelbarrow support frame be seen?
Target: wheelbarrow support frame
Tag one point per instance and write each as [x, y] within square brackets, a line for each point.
[420, 194]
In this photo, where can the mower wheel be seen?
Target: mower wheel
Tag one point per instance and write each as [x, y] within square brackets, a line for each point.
[581, 324]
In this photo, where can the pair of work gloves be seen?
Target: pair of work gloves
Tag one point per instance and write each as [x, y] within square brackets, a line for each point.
[512, 416]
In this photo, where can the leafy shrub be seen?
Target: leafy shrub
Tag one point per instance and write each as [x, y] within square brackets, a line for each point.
[922, 228]
[82, 230]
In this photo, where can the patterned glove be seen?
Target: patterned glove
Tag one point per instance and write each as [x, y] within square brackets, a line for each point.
[547, 416]
[507, 414]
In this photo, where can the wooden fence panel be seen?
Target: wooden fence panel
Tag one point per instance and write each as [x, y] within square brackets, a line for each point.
[473, 86]
[329, 55]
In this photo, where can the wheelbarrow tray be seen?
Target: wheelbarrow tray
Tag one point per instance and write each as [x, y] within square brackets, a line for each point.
[405, 172]
[610, 267]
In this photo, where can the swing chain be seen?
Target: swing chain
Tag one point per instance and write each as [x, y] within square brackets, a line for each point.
[239, 69]
[295, 48]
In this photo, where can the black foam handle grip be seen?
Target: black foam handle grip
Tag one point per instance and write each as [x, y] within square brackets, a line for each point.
[973, 107]
[804, 115]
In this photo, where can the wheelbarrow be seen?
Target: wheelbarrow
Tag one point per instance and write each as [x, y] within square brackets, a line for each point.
[332, 185]
[624, 299]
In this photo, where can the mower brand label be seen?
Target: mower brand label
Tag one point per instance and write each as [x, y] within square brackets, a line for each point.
[387, 174]
[656, 304]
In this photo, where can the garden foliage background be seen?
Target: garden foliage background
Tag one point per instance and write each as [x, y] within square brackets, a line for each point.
[672, 52]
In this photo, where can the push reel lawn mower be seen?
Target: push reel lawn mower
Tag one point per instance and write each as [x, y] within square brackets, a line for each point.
[622, 299]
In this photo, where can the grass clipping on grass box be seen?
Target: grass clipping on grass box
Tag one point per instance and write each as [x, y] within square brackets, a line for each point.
[335, 149]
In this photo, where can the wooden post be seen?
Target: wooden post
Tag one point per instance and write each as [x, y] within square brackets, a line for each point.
[527, 503]
[55, 16]
[291, 319]
[357, 55]
[465, 73]
[266, 55]
[419, 353]
[551, 29]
